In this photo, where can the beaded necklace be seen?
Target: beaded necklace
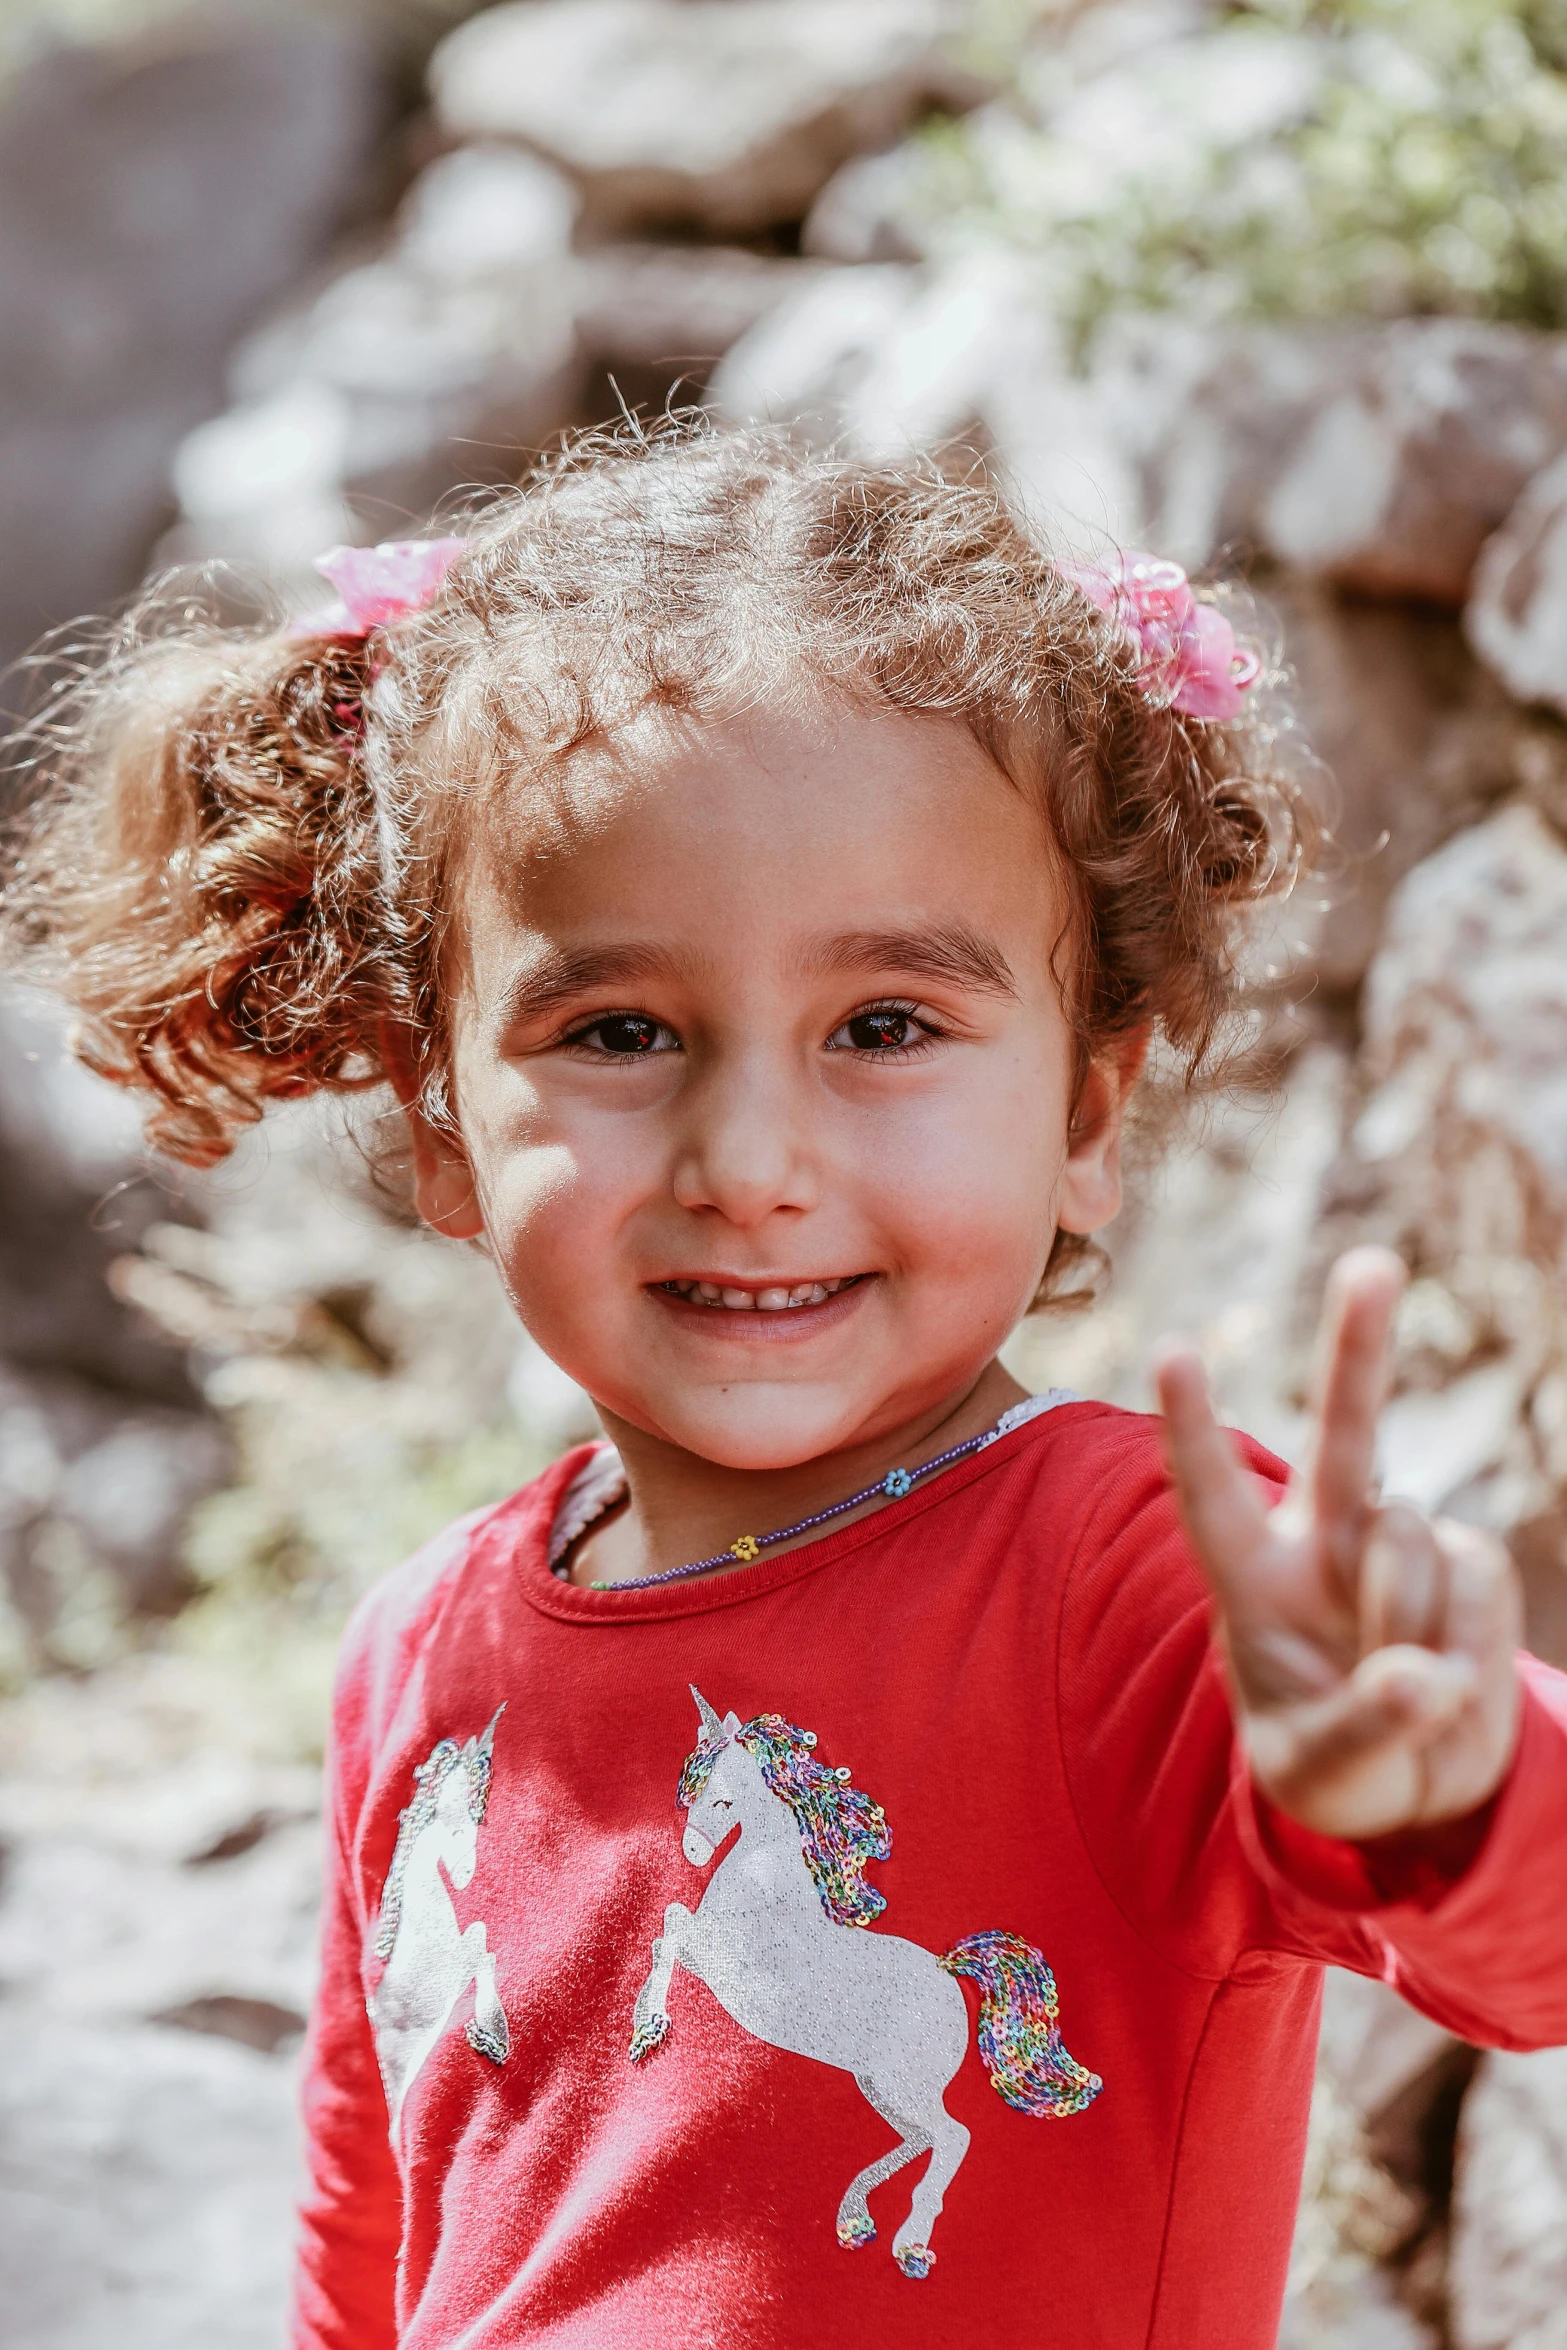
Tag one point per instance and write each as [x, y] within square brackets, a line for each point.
[892, 1487]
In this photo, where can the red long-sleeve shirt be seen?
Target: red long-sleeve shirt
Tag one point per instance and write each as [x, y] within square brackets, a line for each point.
[1015, 1664]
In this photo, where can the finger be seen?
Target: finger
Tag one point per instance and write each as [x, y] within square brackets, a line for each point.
[1223, 1514]
[1483, 1612]
[1403, 1582]
[1352, 1376]
[1354, 1764]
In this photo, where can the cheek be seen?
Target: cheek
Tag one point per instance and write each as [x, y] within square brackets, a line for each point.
[551, 1172]
[978, 1162]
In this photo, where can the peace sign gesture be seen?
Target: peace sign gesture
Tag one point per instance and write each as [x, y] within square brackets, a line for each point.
[1370, 1651]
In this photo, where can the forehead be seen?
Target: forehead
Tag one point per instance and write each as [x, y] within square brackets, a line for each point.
[822, 819]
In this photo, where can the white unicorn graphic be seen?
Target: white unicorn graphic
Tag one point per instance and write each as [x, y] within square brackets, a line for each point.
[430, 1961]
[779, 1940]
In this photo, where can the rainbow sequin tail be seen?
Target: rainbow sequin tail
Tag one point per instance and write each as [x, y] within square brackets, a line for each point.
[1019, 2035]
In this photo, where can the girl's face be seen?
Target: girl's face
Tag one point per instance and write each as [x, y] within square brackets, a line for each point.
[763, 1077]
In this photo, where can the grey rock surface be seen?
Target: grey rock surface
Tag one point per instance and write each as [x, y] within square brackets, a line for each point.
[1509, 2257]
[151, 2207]
[159, 1864]
[448, 355]
[1517, 615]
[695, 112]
[158, 194]
[1410, 463]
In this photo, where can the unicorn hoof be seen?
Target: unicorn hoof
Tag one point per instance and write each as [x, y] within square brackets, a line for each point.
[496, 2045]
[915, 2260]
[855, 2233]
[647, 2036]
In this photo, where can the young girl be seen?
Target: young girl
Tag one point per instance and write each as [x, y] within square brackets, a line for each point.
[853, 1862]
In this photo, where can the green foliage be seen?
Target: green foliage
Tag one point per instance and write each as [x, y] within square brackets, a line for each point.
[1364, 158]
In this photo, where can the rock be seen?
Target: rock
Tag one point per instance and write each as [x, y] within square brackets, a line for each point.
[1458, 1158]
[1417, 742]
[158, 193]
[1373, 2045]
[104, 1442]
[696, 113]
[1509, 2255]
[1517, 615]
[807, 356]
[149, 2167]
[669, 312]
[1352, 2216]
[445, 354]
[151, 2204]
[867, 210]
[1466, 1004]
[1417, 456]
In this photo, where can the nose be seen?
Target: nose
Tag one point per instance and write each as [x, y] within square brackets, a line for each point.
[745, 1153]
[696, 1847]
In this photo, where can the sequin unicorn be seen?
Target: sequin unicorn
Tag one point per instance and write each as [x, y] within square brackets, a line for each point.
[779, 1939]
[430, 1959]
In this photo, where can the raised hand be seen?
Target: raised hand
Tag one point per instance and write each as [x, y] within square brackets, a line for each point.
[1370, 1650]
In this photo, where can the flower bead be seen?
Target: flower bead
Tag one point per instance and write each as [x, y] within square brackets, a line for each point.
[897, 1483]
[1189, 657]
[377, 585]
[745, 1546]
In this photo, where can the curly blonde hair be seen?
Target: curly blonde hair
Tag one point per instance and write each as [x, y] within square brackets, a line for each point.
[241, 865]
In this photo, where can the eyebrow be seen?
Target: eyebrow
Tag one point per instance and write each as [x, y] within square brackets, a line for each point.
[949, 952]
[952, 953]
[560, 974]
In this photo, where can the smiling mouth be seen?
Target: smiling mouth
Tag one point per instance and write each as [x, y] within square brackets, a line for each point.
[775, 1298]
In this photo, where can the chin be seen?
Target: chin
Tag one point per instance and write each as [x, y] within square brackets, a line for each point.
[758, 1432]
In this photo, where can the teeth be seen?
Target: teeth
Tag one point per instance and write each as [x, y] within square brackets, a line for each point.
[775, 1299]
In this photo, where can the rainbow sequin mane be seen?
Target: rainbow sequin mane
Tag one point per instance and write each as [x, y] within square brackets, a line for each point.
[429, 1778]
[841, 1829]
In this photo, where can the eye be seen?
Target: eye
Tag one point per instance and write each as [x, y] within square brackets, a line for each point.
[624, 1036]
[883, 1031]
[722, 1803]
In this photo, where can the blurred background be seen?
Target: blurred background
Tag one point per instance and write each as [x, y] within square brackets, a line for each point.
[1279, 289]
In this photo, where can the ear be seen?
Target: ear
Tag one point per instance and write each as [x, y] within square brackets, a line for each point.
[731, 1724]
[444, 1189]
[1091, 1178]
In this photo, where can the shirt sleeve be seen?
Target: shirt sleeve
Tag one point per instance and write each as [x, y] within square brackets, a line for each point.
[350, 2220]
[1466, 1921]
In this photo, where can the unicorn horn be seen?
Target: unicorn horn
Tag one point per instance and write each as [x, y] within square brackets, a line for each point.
[712, 1727]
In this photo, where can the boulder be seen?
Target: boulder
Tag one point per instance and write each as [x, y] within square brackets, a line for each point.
[159, 193]
[1466, 1003]
[696, 113]
[153, 2205]
[1509, 2253]
[104, 1441]
[1517, 616]
[438, 359]
[674, 310]
[1458, 1158]
[869, 210]
[1412, 459]
[1417, 741]
[806, 357]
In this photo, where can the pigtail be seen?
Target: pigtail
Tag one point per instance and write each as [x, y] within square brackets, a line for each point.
[199, 879]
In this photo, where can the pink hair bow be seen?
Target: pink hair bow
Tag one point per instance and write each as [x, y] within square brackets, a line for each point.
[1190, 659]
[376, 585]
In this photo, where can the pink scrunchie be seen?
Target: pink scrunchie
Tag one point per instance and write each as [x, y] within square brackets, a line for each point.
[1189, 658]
[377, 585]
